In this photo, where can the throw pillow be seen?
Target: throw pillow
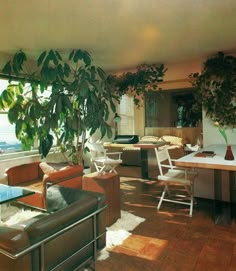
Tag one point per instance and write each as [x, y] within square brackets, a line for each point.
[46, 168]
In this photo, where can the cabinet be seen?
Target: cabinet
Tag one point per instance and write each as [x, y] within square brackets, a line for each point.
[109, 184]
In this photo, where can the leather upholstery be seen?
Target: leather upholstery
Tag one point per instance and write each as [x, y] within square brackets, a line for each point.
[31, 176]
[66, 206]
[31, 172]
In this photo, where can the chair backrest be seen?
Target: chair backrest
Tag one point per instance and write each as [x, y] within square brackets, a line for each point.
[163, 160]
[96, 149]
[16, 175]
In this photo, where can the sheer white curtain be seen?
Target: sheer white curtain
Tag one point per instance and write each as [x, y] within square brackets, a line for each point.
[126, 111]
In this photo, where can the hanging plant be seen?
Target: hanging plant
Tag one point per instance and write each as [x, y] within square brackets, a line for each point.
[216, 89]
[145, 78]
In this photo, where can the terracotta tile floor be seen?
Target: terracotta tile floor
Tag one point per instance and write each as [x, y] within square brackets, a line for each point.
[170, 240]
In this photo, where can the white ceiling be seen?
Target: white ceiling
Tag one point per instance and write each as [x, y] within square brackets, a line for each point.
[120, 34]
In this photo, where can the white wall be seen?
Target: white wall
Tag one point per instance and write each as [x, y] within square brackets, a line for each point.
[211, 135]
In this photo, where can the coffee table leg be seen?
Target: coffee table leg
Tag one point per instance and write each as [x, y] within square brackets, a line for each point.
[144, 163]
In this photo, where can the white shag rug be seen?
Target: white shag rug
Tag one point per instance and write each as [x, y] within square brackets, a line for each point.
[11, 215]
[119, 231]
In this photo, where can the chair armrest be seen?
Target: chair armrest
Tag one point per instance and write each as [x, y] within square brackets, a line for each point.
[61, 175]
[64, 174]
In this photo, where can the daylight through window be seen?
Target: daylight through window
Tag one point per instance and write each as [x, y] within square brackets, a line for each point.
[8, 140]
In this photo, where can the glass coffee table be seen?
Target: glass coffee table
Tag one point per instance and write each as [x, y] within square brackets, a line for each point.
[10, 193]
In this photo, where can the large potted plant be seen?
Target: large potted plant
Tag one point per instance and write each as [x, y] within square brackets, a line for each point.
[64, 99]
[216, 90]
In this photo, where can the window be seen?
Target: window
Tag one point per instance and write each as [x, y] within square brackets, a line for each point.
[126, 111]
[8, 140]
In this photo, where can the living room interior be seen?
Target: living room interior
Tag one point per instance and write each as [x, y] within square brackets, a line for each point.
[119, 36]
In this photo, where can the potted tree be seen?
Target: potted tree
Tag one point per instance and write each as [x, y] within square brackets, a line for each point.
[62, 99]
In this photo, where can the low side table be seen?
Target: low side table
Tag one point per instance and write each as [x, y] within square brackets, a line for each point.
[109, 184]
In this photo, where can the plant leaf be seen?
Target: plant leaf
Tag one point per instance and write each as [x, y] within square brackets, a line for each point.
[86, 58]
[7, 69]
[41, 58]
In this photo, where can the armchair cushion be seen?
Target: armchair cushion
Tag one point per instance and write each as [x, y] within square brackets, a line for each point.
[46, 168]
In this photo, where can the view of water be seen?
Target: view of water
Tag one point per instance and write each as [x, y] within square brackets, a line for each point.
[8, 140]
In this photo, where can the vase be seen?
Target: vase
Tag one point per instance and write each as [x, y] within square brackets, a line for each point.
[229, 154]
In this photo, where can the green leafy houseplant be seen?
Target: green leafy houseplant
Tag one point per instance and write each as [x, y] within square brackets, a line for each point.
[65, 99]
[144, 79]
[62, 99]
[216, 89]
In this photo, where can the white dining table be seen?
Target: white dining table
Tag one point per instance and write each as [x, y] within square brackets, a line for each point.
[224, 212]
[211, 162]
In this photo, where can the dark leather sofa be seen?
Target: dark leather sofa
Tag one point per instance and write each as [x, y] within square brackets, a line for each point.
[64, 238]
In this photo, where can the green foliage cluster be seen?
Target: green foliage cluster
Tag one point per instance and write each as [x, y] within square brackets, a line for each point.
[144, 79]
[65, 99]
[216, 89]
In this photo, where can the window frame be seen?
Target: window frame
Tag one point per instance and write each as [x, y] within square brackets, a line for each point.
[125, 109]
[9, 154]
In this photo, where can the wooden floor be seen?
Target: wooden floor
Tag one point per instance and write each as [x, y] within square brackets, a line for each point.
[170, 240]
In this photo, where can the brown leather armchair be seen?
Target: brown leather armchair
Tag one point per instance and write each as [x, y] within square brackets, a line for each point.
[32, 177]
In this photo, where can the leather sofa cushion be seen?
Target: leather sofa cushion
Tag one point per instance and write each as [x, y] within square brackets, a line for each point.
[81, 203]
[59, 197]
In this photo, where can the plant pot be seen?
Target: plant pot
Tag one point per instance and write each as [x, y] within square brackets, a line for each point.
[229, 154]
